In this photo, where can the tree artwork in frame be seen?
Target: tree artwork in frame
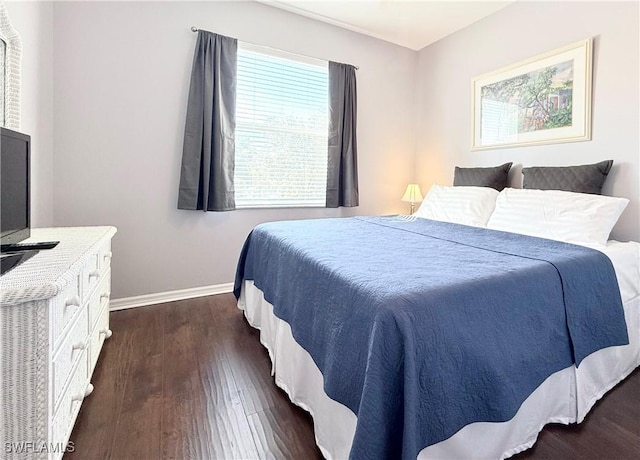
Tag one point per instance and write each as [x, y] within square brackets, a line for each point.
[543, 100]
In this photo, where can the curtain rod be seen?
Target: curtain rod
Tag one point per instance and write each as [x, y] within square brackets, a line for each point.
[195, 29]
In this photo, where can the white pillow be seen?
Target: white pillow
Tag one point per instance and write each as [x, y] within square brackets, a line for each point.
[460, 205]
[556, 215]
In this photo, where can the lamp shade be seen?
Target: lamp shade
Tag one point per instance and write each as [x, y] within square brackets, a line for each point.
[412, 194]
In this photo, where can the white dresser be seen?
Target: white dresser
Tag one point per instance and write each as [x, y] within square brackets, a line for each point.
[54, 318]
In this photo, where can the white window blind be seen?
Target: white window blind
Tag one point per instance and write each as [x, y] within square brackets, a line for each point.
[281, 129]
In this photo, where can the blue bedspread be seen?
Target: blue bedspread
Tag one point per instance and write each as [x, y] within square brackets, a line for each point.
[422, 327]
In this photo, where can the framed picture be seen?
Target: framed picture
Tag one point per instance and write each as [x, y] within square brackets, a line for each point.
[543, 100]
[10, 55]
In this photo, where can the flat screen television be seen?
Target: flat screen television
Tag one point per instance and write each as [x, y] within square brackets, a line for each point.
[15, 152]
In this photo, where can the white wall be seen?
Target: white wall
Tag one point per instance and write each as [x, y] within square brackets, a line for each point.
[34, 23]
[520, 31]
[121, 75]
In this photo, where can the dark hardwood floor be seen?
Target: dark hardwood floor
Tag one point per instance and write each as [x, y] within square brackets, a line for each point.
[190, 379]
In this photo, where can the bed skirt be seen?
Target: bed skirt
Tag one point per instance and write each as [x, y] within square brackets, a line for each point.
[564, 397]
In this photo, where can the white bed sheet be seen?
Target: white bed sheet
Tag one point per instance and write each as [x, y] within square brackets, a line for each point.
[626, 262]
[564, 397]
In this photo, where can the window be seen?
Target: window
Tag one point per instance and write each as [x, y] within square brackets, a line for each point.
[281, 129]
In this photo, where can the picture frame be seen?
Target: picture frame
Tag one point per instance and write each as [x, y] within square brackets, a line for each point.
[542, 100]
[10, 59]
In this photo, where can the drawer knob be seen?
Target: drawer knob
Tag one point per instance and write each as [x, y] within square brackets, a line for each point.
[94, 274]
[72, 302]
[104, 296]
[107, 333]
[77, 397]
[108, 255]
[88, 390]
[79, 346]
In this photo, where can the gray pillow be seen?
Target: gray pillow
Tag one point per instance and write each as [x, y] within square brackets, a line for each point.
[581, 179]
[495, 177]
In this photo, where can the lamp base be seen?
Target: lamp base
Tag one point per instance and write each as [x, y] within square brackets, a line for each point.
[413, 208]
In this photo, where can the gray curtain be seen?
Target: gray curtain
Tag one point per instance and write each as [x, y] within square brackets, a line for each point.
[342, 173]
[208, 156]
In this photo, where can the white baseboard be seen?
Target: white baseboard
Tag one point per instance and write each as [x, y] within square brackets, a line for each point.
[169, 296]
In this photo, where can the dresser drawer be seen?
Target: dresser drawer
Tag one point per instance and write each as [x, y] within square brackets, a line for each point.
[70, 402]
[98, 336]
[90, 274]
[104, 256]
[72, 349]
[99, 299]
[66, 305]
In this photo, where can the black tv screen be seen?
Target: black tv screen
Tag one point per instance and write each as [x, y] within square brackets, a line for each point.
[15, 151]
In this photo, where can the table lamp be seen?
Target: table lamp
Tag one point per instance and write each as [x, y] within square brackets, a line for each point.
[412, 195]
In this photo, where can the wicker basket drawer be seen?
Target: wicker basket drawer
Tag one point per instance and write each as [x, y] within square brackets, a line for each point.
[98, 336]
[66, 306]
[99, 299]
[70, 402]
[104, 258]
[72, 349]
[90, 274]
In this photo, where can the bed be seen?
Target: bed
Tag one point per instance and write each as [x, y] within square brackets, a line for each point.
[534, 331]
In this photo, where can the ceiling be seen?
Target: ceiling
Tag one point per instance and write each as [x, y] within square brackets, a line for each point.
[410, 23]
